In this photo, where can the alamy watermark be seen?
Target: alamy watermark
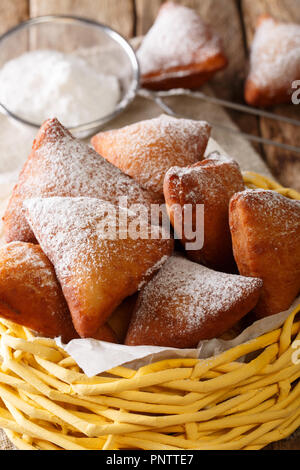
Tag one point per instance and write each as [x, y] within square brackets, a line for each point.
[296, 93]
[296, 353]
[143, 222]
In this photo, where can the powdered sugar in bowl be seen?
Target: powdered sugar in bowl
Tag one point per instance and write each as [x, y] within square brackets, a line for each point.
[75, 69]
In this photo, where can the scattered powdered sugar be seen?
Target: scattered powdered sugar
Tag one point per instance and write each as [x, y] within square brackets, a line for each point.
[190, 292]
[217, 178]
[219, 158]
[212, 160]
[56, 84]
[152, 270]
[25, 255]
[178, 38]
[147, 149]
[64, 166]
[275, 54]
[97, 269]
[66, 228]
[70, 166]
[270, 205]
[30, 289]
[82, 236]
[29, 259]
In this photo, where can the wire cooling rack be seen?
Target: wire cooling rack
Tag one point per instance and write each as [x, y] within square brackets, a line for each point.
[159, 96]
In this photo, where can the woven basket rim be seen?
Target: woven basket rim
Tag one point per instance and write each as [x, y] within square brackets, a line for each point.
[215, 404]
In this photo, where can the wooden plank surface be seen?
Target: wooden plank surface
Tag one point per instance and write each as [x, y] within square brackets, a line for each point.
[117, 14]
[229, 83]
[219, 14]
[285, 165]
[12, 12]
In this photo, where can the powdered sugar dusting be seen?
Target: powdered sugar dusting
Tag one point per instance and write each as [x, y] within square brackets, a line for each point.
[97, 268]
[29, 287]
[27, 258]
[190, 292]
[219, 158]
[147, 149]
[270, 205]
[27, 264]
[25, 254]
[198, 184]
[63, 166]
[77, 234]
[66, 228]
[73, 168]
[153, 269]
[177, 38]
[275, 55]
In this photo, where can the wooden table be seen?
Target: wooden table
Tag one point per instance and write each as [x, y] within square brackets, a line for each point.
[235, 20]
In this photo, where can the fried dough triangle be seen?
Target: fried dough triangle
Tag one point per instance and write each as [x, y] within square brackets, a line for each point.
[265, 228]
[179, 50]
[30, 294]
[147, 149]
[274, 62]
[96, 258]
[60, 165]
[186, 302]
[211, 183]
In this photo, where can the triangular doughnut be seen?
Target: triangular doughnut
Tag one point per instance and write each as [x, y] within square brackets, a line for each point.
[60, 165]
[30, 294]
[96, 258]
[147, 149]
[274, 63]
[179, 50]
[186, 302]
[211, 183]
[265, 228]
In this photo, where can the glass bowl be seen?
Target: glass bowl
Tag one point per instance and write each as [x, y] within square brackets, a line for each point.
[104, 49]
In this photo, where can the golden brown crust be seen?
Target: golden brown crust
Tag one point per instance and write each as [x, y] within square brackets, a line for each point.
[179, 51]
[274, 63]
[186, 302]
[98, 264]
[147, 149]
[265, 229]
[29, 292]
[211, 182]
[191, 77]
[265, 97]
[60, 165]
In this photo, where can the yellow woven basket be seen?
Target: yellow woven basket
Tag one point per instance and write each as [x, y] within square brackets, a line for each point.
[217, 403]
